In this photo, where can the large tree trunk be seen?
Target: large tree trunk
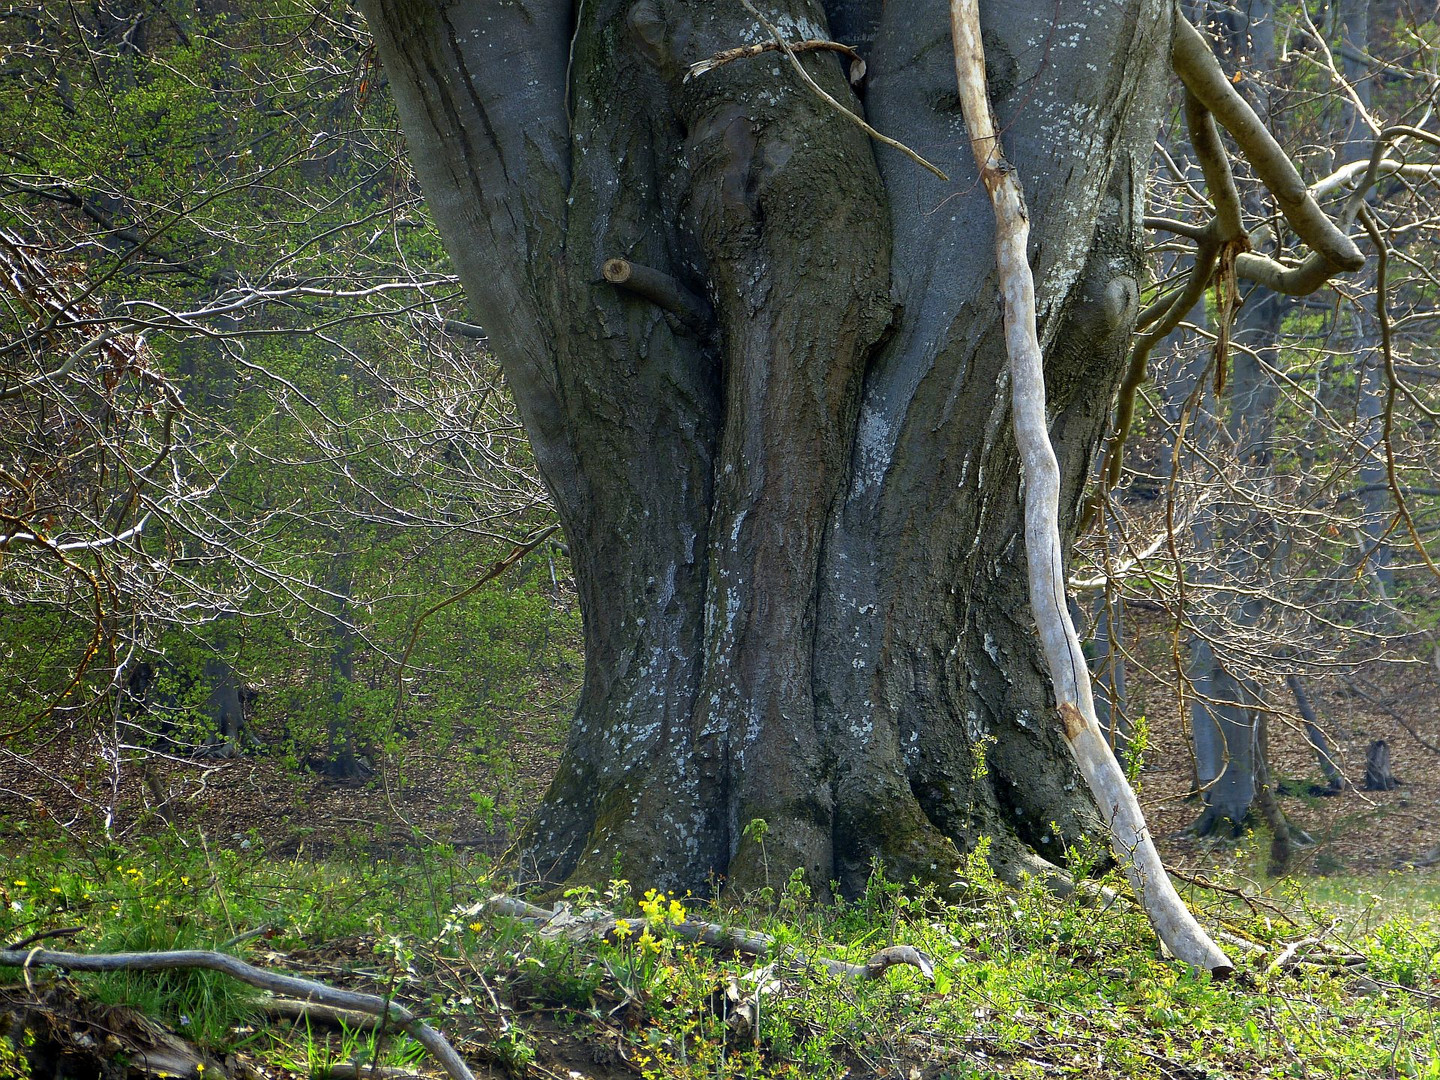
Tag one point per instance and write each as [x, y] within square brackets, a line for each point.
[784, 462]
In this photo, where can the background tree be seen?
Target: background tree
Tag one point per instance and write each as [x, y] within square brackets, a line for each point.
[1273, 480]
[215, 491]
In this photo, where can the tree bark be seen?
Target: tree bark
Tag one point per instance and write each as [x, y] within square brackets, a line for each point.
[795, 522]
[1364, 339]
[1315, 736]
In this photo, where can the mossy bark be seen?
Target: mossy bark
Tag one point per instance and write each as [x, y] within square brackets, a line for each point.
[794, 517]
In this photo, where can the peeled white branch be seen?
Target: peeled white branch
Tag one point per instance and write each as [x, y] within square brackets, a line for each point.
[1129, 835]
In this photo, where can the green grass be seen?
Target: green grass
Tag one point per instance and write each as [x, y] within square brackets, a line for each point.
[1026, 985]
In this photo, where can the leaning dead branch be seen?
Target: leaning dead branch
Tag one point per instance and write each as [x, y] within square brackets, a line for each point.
[303, 990]
[561, 920]
[1069, 675]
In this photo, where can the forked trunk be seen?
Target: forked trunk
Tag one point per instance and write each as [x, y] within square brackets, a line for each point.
[781, 448]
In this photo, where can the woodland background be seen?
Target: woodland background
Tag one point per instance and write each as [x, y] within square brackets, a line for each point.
[284, 596]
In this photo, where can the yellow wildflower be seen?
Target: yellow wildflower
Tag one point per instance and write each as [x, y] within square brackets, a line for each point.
[477, 927]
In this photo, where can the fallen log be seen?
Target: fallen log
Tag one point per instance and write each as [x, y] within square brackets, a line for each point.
[289, 986]
[749, 942]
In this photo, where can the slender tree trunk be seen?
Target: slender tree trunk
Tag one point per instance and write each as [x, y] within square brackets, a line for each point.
[1107, 656]
[1229, 750]
[1364, 337]
[784, 461]
[1282, 846]
[1315, 736]
[343, 760]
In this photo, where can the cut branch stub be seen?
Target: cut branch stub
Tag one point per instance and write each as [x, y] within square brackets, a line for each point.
[659, 288]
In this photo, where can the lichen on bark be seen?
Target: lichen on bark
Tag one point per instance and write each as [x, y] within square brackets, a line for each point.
[795, 530]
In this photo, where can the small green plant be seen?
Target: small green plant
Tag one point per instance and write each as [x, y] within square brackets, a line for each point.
[513, 1050]
[13, 1062]
[1134, 756]
[757, 830]
[980, 767]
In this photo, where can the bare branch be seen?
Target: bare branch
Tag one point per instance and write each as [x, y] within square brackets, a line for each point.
[1201, 72]
[303, 990]
[1069, 675]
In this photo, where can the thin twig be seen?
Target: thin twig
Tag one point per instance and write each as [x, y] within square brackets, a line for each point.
[41, 935]
[744, 52]
[824, 96]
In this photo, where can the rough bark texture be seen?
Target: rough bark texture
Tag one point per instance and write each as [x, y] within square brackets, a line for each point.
[795, 522]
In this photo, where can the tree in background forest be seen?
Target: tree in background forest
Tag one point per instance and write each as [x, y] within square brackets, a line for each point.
[761, 364]
[1293, 462]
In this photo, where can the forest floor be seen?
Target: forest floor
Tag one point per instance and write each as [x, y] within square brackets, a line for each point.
[1356, 832]
[358, 883]
[472, 791]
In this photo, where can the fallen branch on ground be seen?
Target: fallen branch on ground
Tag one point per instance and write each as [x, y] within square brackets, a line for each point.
[302, 990]
[313, 1012]
[348, 1070]
[749, 942]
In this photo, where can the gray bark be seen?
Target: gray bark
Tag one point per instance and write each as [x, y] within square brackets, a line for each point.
[1364, 335]
[795, 526]
[1315, 735]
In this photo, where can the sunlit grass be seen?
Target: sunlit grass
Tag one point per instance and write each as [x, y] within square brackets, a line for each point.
[1025, 984]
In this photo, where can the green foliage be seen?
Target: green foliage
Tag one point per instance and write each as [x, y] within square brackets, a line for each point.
[1134, 758]
[346, 467]
[184, 892]
[13, 1063]
[1025, 984]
